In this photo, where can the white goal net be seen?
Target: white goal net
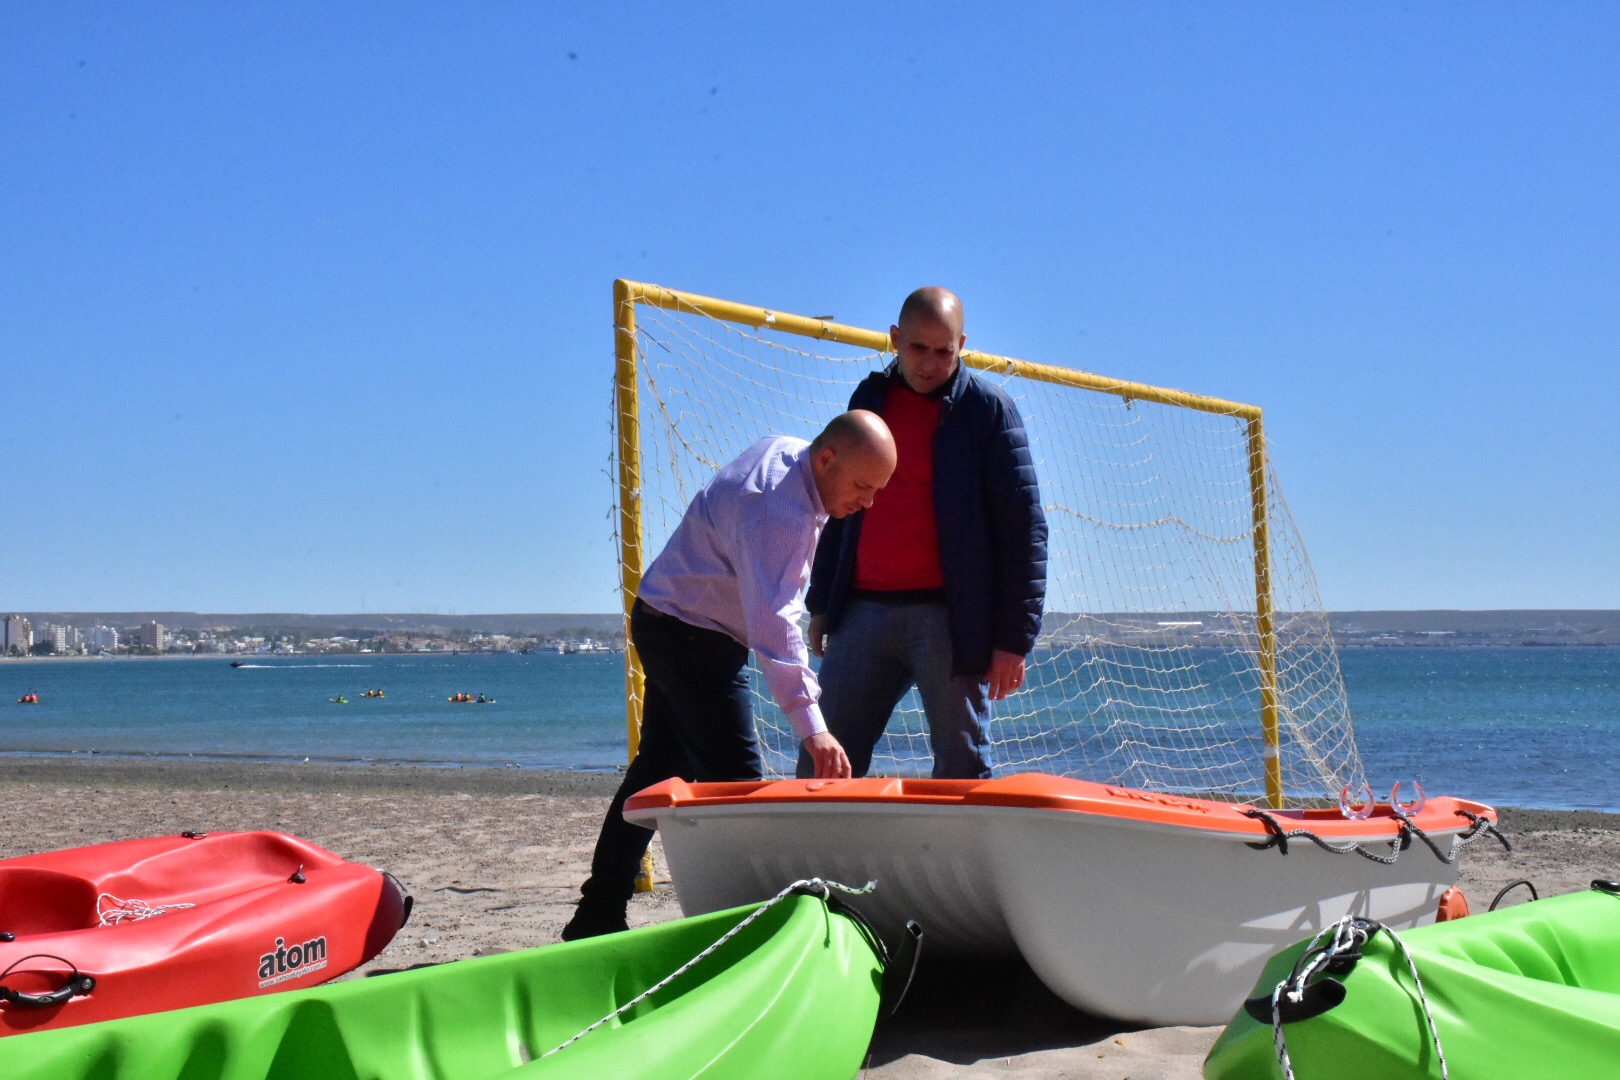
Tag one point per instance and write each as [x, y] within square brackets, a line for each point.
[1150, 670]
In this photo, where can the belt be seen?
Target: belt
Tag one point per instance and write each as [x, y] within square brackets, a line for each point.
[900, 596]
[648, 609]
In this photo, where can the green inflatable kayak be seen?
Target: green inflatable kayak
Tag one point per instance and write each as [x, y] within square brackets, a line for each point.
[795, 992]
[1525, 992]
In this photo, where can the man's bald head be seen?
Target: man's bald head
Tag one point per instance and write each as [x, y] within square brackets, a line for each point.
[935, 303]
[928, 339]
[851, 460]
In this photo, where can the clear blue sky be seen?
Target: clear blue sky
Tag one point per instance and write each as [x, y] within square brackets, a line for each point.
[307, 306]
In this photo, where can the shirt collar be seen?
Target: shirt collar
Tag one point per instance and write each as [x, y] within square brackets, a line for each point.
[813, 493]
[947, 390]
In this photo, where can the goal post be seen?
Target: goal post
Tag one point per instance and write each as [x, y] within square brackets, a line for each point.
[1185, 648]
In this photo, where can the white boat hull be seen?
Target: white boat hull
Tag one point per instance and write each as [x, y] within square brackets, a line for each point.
[1138, 920]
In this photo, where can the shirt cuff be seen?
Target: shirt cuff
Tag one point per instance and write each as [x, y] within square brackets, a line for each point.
[807, 721]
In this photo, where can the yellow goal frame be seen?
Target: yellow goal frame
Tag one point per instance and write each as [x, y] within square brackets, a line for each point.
[627, 294]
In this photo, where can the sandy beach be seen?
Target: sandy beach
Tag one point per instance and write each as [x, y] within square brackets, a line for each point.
[494, 858]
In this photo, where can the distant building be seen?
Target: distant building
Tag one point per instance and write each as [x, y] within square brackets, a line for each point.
[101, 638]
[19, 635]
[151, 636]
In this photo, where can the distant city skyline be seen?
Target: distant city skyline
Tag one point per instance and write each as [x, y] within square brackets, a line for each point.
[308, 308]
[155, 630]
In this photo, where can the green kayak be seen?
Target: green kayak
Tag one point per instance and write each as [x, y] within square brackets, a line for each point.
[1524, 992]
[794, 992]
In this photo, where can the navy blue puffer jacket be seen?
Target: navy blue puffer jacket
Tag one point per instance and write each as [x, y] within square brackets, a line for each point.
[992, 532]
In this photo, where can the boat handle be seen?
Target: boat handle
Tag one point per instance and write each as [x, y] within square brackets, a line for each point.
[406, 900]
[1510, 886]
[1350, 811]
[78, 983]
[901, 968]
[1415, 808]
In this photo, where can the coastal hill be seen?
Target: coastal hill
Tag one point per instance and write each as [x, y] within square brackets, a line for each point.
[1350, 628]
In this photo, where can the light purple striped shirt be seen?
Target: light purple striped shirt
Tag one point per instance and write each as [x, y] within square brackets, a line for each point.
[738, 563]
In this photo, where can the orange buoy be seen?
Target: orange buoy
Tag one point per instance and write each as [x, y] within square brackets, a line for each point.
[1453, 905]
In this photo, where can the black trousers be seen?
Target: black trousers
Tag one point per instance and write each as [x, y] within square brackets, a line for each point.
[697, 723]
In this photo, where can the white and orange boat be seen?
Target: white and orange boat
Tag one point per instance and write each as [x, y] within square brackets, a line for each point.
[1148, 907]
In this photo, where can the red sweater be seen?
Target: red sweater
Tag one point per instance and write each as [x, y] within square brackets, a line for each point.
[899, 544]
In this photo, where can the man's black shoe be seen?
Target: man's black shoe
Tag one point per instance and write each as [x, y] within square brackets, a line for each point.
[589, 922]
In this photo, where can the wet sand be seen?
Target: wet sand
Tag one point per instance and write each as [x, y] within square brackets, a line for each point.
[494, 858]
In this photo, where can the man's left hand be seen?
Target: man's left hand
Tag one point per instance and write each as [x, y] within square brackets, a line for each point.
[1006, 673]
[829, 757]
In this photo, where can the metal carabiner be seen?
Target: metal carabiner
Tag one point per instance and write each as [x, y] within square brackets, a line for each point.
[1407, 811]
[1349, 809]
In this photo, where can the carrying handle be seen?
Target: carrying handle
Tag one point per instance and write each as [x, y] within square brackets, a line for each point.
[901, 968]
[78, 983]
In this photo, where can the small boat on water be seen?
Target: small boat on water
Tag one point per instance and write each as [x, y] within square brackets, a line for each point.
[789, 989]
[1530, 992]
[1131, 904]
[138, 926]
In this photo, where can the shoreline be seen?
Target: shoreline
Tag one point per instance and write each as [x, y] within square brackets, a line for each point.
[328, 778]
[79, 768]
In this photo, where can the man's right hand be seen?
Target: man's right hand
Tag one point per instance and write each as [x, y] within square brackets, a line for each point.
[828, 754]
[818, 635]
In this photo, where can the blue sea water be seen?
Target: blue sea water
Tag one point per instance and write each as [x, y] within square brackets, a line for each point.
[1509, 726]
[550, 711]
[1513, 726]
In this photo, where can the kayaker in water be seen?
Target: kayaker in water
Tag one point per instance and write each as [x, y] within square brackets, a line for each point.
[730, 579]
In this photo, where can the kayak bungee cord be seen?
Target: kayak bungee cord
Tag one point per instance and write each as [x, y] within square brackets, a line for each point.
[1349, 935]
[120, 911]
[815, 886]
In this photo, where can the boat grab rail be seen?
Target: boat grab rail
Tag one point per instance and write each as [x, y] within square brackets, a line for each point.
[1479, 826]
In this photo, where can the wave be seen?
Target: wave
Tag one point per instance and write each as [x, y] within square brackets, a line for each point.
[289, 667]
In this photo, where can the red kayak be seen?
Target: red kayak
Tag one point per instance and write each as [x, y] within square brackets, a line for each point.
[141, 926]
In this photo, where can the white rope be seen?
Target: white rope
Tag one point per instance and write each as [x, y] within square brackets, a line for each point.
[122, 911]
[817, 886]
[1428, 1014]
[1349, 935]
